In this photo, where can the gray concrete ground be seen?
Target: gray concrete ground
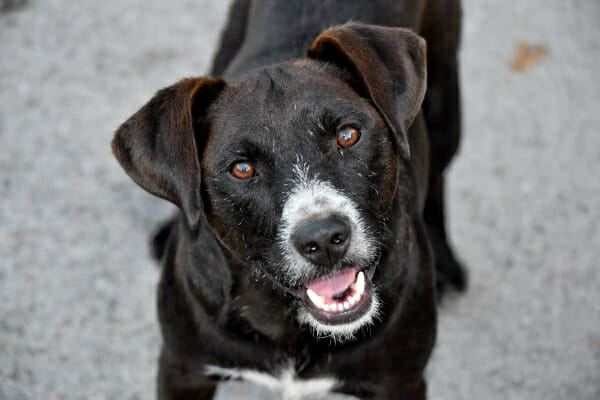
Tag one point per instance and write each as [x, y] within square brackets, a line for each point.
[77, 314]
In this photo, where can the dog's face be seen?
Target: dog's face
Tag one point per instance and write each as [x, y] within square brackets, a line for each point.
[294, 167]
[298, 183]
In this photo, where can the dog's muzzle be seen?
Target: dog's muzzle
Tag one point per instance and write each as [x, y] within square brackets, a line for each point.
[329, 258]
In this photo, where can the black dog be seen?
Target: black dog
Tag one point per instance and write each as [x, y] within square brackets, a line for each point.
[311, 190]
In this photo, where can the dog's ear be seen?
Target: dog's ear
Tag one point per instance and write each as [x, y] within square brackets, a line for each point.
[386, 65]
[157, 146]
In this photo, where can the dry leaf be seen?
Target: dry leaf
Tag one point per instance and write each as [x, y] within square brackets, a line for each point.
[527, 56]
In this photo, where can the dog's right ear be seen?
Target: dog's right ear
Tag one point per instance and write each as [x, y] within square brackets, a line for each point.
[157, 146]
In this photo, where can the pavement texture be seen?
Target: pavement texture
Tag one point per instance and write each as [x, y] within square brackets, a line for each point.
[77, 286]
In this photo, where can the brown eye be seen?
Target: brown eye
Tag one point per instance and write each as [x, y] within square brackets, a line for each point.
[348, 136]
[242, 170]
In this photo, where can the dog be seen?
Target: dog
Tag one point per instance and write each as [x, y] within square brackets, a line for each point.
[309, 173]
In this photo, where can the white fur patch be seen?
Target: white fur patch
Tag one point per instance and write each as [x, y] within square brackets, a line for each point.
[287, 383]
[312, 199]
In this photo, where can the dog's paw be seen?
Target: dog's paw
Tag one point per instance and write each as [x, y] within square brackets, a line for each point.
[450, 273]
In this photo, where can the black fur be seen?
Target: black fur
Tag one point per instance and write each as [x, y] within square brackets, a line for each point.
[225, 297]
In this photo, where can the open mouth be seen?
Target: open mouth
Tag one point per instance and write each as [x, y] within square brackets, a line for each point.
[341, 297]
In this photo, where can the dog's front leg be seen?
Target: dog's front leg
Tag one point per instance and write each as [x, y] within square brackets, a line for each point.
[441, 28]
[388, 389]
[175, 382]
[416, 391]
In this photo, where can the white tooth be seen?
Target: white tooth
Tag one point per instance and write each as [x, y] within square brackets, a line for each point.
[346, 305]
[340, 307]
[356, 297]
[315, 298]
[360, 283]
[325, 307]
[351, 300]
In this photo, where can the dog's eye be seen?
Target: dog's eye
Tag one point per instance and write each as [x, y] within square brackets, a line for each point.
[348, 136]
[242, 170]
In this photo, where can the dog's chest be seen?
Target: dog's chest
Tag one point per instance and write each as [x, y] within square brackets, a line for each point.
[285, 384]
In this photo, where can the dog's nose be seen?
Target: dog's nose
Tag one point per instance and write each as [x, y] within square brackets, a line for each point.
[323, 242]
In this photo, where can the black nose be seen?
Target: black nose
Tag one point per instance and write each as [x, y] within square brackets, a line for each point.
[324, 241]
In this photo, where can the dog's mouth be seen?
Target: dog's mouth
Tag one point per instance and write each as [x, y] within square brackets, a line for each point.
[341, 297]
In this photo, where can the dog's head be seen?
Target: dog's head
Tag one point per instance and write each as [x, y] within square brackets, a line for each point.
[295, 166]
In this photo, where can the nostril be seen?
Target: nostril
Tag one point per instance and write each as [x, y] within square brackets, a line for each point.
[338, 239]
[311, 248]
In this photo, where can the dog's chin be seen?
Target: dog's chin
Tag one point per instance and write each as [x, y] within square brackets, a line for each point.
[339, 305]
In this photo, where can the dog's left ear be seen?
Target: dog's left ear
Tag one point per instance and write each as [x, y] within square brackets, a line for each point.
[386, 65]
[158, 145]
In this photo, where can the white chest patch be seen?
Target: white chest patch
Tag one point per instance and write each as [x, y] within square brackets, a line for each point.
[286, 384]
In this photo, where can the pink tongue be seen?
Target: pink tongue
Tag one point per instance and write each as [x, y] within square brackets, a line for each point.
[333, 284]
